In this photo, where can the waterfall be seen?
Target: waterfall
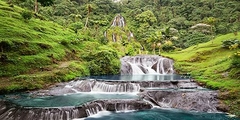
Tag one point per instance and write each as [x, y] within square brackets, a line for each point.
[123, 107]
[115, 36]
[150, 90]
[42, 114]
[71, 88]
[120, 87]
[146, 64]
[91, 110]
[136, 70]
[151, 71]
[118, 21]
[103, 87]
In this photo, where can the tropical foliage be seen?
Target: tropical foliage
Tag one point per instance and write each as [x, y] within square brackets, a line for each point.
[195, 21]
[48, 41]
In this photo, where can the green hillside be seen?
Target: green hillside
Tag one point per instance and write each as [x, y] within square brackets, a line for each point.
[31, 48]
[212, 66]
[66, 40]
[35, 53]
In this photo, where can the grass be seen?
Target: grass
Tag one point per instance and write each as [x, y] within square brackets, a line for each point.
[34, 52]
[210, 65]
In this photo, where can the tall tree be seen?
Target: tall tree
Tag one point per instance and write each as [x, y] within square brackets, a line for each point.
[89, 9]
[36, 6]
[43, 3]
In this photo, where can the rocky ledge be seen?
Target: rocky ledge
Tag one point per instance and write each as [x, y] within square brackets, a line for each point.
[10, 111]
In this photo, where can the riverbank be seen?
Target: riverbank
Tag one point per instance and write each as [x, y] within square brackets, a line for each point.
[37, 53]
[210, 65]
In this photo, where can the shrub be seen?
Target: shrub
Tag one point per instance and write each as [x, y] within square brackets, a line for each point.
[235, 65]
[3, 57]
[14, 87]
[104, 62]
[11, 5]
[5, 45]
[236, 60]
[168, 46]
[76, 26]
[27, 15]
[231, 44]
[39, 29]
[186, 40]
[64, 42]
[44, 45]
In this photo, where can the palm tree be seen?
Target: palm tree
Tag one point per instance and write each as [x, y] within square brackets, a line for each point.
[89, 9]
[36, 6]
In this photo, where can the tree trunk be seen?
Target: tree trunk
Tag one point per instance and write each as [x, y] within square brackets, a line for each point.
[86, 23]
[2, 49]
[36, 6]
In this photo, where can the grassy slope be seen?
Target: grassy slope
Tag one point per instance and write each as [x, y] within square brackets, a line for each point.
[41, 52]
[209, 64]
[38, 52]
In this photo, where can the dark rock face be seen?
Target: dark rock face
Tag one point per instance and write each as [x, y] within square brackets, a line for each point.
[126, 68]
[11, 112]
[203, 101]
[121, 105]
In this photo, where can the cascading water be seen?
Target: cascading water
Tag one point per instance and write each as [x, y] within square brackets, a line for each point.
[146, 64]
[91, 110]
[112, 35]
[86, 97]
[118, 21]
[120, 87]
[136, 70]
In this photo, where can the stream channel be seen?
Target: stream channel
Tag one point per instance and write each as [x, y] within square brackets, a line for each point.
[147, 89]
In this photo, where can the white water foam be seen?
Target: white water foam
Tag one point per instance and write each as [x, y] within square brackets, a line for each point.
[121, 87]
[141, 64]
[98, 115]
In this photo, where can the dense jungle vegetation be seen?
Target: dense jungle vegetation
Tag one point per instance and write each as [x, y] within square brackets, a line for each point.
[173, 23]
[47, 41]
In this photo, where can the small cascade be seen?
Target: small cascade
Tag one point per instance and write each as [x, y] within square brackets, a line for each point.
[146, 64]
[123, 107]
[114, 38]
[114, 35]
[81, 85]
[164, 66]
[151, 71]
[94, 109]
[151, 85]
[71, 87]
[103, 87]
[152, 104]
[21, 113]
[119, 87]
[164, 103]
[12, 112]
[118, 21]
[136, 70]
[115, 105]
